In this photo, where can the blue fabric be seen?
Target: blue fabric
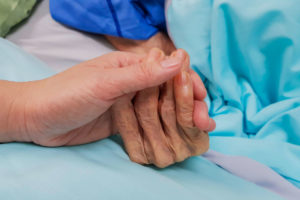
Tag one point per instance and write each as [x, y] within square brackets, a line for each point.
[132, 19]
[247, 52]
[102, 170]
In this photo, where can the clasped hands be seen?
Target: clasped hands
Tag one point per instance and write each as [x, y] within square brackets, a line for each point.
[167, 123]
[155, 102]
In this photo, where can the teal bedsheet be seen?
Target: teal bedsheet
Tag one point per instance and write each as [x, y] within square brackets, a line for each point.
[248, 54]
[102, 170]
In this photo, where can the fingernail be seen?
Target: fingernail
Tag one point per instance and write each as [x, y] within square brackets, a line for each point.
[170, 62]
[155, 54]
[179, 54]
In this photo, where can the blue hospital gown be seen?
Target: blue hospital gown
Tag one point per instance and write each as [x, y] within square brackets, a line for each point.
[132, 19]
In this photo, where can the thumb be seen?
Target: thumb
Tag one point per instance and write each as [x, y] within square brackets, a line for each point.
[152, 71]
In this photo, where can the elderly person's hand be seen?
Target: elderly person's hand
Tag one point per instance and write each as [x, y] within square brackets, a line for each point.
[160, 126]
[73, 107]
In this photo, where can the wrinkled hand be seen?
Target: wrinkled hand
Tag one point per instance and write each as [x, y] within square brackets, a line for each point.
[160, 126]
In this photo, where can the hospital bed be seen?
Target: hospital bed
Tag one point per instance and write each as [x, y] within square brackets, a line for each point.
[102, 170]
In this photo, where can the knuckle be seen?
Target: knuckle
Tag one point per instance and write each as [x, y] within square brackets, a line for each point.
[164, 162]
[185, 105]
[164, 158]
[202, 144]
[138, 158]
[146, 110]
[167, 110]
[145, 73]
[185, 119]
[180, 146]
[182, 153]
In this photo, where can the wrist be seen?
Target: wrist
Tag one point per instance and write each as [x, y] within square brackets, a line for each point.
[14, 118]
[159, 40]
[8, 123]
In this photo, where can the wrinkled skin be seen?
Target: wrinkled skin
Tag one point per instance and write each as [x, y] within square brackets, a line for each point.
[158, 127]
[159, 40]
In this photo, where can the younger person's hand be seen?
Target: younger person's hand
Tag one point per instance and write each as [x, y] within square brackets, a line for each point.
[73, 107]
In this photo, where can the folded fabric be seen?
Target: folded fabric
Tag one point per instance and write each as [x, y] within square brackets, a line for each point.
[13, 12]
[247, 52]
[102, 169]
[133, 19]
[255, 172]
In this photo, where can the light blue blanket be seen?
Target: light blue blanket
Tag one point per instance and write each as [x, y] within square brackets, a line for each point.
[248, 53]
[102, 170]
